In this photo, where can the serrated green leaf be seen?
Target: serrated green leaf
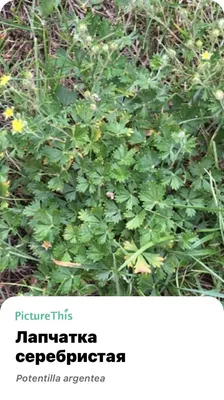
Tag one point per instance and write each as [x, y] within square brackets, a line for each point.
[176, 182]
[82, 184]
[65, 95]
[151, 195]
[137, 221]
[70, 234]
[96, 252]
[42, 231]
[154, 259]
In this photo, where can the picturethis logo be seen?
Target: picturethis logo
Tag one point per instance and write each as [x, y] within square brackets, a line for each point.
[50, 316]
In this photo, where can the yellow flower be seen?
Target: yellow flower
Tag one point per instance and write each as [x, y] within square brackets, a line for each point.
[28, 75]
[4, 188]
[219, 95]
[17, 125]
[4, 80]
[87, 93]
[206, 56]
[8, 113]
[93, 107]
[4, 204]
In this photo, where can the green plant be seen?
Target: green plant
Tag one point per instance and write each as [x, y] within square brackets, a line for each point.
[111, 176]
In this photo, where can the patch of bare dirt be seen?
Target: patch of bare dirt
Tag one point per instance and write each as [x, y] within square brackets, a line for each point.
[14, 281]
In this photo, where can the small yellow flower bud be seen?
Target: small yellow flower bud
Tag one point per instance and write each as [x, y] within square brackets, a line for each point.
[87, 94]
[215, 33]
[114, 46]
[171, 53]
[105, 47]
[4, 80]
[190, 44]
[183, 12]
[17, 125]
[199, 44]
[221, 23]
[201, 67]
[89, 39]
[8, 113]
[196, 78]
[95, 49]
[82, 27]
[219, 95]
[93, 107]
[29, 75]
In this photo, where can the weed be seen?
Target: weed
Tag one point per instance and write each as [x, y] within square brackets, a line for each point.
[111, 178]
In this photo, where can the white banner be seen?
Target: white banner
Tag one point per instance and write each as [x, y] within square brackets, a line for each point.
[112, 348]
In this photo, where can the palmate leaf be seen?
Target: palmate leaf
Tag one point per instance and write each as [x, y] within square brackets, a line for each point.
[96, 252]
[176, 182]
[138, 137]
[4, 231]
[152, 194]
[86, 216]
[53, 154]
[69, 192]
[142, 263]
[120, 173]
[56, 184]
[42, 231]
[147, 160]
[112, 213]
[130, 247]
[190, 212]
[65, 96]
[70, 234]
[137, 221]
[123, 195]
[173, 180]
[154, 259]
[124, 156]
[67, 279]
[119, 129]
[85, 233]
[82, 184]
[138, 262]
[191, 199]
[142, 266]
